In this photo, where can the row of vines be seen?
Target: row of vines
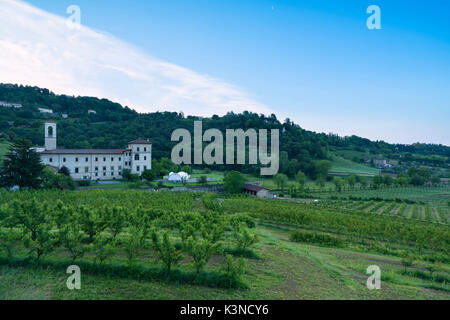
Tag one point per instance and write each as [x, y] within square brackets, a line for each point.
[421, 236]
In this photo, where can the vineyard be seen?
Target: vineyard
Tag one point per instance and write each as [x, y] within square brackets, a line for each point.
[123, 227]
[417, 211]
[140, 244]
[439, 195]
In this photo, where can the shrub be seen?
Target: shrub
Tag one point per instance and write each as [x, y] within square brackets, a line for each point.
[234, 268]
[167, 252]
[84, 183]
[242, 236]
[316, 238]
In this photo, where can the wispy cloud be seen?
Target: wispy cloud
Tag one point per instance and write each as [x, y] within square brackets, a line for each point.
[38, 48]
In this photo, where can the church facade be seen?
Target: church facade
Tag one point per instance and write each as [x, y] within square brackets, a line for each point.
[96, 164]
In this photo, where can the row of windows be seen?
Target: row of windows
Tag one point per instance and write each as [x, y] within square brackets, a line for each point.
[87, 159]
[86, 170]
[136, 157]
[104, 174]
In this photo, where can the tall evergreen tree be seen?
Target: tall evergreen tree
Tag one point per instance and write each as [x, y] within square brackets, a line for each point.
[21, 166]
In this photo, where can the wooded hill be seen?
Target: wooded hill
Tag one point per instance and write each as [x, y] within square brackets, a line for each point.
[113, 125]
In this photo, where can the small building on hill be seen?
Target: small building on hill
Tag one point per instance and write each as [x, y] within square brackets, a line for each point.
[44, 110]
[10, 105]
[257, 191]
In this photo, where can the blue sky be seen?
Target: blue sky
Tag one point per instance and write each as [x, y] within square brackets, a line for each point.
[312, 61]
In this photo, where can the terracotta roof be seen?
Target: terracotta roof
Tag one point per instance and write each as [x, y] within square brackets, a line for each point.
[139, 141]
[253, 187]
[86, 151]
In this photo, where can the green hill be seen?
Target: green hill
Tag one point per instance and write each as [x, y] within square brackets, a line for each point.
[113, 125]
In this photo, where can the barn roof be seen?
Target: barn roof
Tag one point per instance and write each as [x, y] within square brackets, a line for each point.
[253, 187]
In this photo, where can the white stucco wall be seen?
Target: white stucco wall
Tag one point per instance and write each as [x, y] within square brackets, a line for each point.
[91, 166]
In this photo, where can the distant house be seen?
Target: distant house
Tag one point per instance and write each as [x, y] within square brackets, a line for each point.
[44, 110]
[64, 115]
[92, 112]
[10, 105]
[257, 191]
[380, 163]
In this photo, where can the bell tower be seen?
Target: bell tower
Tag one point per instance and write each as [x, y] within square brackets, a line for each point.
[50, 135]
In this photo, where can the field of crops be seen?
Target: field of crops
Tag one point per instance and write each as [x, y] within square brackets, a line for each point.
[422, 212]
[3, 150]
[152, 245]
[341, 165]
[432, 195]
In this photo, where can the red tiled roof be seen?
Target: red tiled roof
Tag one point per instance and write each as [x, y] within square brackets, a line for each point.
[253, 187]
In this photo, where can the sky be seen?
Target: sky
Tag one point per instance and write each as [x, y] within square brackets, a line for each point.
[315, 62]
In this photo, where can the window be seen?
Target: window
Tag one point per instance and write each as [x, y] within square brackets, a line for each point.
[145, 149]
[120, 173]
[112, 168]
[120, 159]
[96, 159]
[137, 149]
[87, 159]
[120, 167]
[137, 168]
[136, 157]
[76, 170]
[51, 159]
[112, 159]
[96, 168]
[96, 174]
[145, 158]
[104, 159]
[64, 159]
[145, 168]
[104, 168]
[104, 174]
[86, 169]
[76, 159]
[112, 173]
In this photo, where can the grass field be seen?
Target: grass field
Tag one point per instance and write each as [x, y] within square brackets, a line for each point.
[340, 165]
[3, 150]
[280, 268]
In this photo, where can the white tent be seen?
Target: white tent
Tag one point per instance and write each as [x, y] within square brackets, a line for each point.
[178, 177]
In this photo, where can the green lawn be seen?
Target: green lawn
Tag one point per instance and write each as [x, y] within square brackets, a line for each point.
[340, 165]
[3, 150]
